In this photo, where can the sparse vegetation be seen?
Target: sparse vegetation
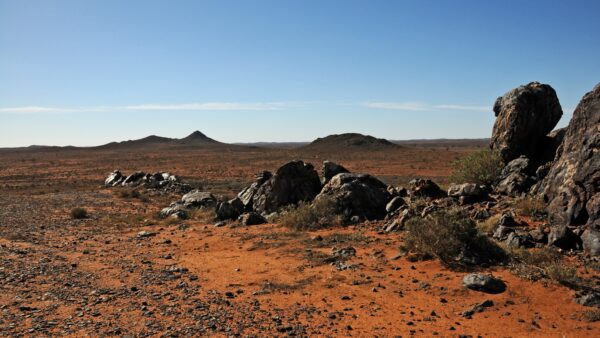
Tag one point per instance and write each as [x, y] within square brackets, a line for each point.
[531, 206]
[543, 263]
[79, 213]
[447, 235]
[309, 216]
[488, 226]
[481, 167]
[204, 215]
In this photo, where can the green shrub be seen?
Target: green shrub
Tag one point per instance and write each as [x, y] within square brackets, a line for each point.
[79, 213]
[309, 216]
[448, 235]
[481, 167]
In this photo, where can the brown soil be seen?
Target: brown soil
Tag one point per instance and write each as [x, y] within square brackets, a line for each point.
[96, 276]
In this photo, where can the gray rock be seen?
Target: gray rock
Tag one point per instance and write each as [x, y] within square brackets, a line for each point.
[358, 195]
[395, 204]
[425, 189]
[252, 218]
[517, 240]
[134, 179]
[571, 186]
[524, 116]
[563, 237]
[231, 209]
[591, 241]
[515, 179]
[330, 169]
[198, 199]
[502, 232]
[247, 194]
[113, 179]
[176, 209]
[484, 283]
[294, 182]
[466, 189]
[588, 298]
[477, 308]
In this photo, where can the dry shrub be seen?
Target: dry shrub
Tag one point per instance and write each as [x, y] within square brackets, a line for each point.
[543, 263]
[204, 215]
[592, 316]
[309, 216]
[447, 235]
[488, 226]
[531, 206]
[481, 167]
[79, 213]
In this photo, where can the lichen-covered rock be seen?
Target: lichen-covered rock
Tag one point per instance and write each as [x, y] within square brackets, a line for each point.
[572, 187]
[514, 179]
[360, 195]
[524, 116]
[294, 182]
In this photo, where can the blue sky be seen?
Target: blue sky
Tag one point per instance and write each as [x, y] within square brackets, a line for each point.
[91, 72]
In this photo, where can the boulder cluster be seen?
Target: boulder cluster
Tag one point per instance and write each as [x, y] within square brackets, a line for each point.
[159, 181]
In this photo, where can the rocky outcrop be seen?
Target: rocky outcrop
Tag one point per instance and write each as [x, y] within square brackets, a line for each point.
[572, 186]
[193, 200]
[331, 169]
[357, 195]
[524, 116]
[294, 182]
[247, 194]
[231, 209]
[160, 181]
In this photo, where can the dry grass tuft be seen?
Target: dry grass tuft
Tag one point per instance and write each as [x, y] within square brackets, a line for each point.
[317, 215]
[543, 263]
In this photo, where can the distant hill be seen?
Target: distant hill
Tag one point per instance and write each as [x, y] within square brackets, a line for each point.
[350, 141]
[197, 138]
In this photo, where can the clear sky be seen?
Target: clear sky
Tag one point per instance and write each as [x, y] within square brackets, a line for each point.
[90, 72]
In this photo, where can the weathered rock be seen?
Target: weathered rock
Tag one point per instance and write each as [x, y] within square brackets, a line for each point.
[399, 223]
[357, 195]
[114, 179]
[231, 209]
[477, 308]
[515, 179]
[502, 232]
[517, 239]
[134, 179]
[426, 189]
[251, 218]
[395, 204]
[466, 189]
[397, 191]
[591, 241]
[563, 237]
[539, 235]
[247, 194]
[484, 283]
[524, 116]
[588, 298]
[176, 209]
[330, 169]
[572, 186]
[294, 182]
[198, 199]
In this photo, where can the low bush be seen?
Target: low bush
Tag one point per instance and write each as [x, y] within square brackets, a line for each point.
[309, 216]
[448, 236]
[481, 167]
[545, 263]
[531, 206]
[79, 213]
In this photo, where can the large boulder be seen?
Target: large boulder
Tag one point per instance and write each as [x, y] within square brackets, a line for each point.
[331, 169]
[357, 195]
[524, 116]
[134, 179]
[294, 182]
[572, 186]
